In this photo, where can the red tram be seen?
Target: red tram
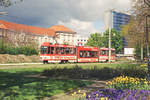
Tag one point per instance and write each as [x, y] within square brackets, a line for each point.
[69, 53]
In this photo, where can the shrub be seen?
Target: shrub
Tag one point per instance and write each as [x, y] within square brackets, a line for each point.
[26, 50]
[103, 73]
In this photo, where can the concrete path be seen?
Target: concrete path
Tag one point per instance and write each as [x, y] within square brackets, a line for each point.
[20, 64]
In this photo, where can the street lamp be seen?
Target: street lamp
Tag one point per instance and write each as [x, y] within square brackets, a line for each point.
[147, 2]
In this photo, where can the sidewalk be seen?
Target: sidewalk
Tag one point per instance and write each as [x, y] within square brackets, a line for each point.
[22, 64]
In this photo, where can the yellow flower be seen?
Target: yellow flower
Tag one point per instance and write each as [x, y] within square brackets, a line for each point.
[143, 65]
[89, 96]
[103, 98]
[97, 95]
[146, 82]
[84, 94]
[136, 82]
[74, 93]
[106, 83]
[144, 79]
[79, 91]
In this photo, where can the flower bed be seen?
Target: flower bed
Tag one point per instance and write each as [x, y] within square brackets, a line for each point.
[125, 82]
[120, 88]
[113, 94]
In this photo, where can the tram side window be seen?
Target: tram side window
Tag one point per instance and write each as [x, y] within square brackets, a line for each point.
[88, 54]
[62, 50]
[48, 50]
[94, 54]
[67, 50]
[84, 54]
[71, 51]
[52, 50]
[112, 52]
[44, 50]
[81, 53]
[104, 52]
[57, 50]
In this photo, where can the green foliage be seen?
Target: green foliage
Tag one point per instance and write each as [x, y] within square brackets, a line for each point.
[97, 39]
[138, 51]
[104, 73]
[116, 40]
[17, 85]
[26, 50]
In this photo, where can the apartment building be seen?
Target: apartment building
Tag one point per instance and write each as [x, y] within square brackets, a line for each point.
[81, 40]
[20, 34]
[64, 35]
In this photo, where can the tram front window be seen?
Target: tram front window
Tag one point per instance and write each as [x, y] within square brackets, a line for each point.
[44, 49]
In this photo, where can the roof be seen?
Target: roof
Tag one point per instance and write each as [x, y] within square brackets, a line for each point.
[26, 28]
[61, 28]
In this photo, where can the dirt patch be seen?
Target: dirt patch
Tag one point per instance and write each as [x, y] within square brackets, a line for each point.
[6, 58]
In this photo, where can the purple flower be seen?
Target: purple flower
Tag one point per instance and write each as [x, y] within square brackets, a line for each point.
[114, 94]
[144, 98]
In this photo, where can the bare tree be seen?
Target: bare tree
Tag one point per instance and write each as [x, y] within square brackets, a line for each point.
[20, 38]
[7, 3]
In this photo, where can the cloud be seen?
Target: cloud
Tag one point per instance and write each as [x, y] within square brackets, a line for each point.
[46, 13]
[81, 27]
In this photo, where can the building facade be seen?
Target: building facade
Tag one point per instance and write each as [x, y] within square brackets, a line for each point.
[115, 19]
[22, 35]
[64, 35]
[81, 40]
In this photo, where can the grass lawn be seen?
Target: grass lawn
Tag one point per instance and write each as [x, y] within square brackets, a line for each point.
[15, 86]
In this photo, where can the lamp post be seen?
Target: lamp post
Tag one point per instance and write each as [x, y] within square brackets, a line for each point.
[109, 54]
[147, 2]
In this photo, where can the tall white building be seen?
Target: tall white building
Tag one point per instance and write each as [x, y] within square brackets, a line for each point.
[116, 19]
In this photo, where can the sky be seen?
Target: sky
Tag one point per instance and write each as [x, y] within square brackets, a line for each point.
[82, 16]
